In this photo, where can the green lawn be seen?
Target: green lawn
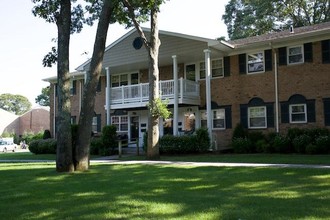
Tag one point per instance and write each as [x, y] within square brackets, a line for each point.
[36, 191]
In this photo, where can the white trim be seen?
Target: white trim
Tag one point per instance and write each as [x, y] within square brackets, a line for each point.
[247, 62]
[305, 113]
[265, 117]
[302, 54]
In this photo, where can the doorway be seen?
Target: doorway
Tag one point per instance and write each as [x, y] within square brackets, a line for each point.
[134, 133]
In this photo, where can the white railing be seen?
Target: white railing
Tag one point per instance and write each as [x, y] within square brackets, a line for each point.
[139, 93]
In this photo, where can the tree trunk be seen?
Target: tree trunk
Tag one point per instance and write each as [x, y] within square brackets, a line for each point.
[153, 122]
[81, 158]
[64, 162]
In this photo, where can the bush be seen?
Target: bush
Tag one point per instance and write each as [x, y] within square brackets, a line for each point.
[46, 134]
[311, 149]
[241, 145]
[323, 144]
[41, 146]
[254, 137]
[314, 133]
[281, 144]
[239, 132]
[293, 133]
[203, 140]
[262, 146]
[109, 140]
[96, 146]
[299, 143]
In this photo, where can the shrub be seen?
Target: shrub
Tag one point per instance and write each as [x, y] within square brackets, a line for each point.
[241, 145]
[300, 142]
[262, 146]
[109, 140]
[41, 146]
[203, 140]
[294, 132]
[46, 134]
[96, 146]
[239, 132]
[311, 149]
[254, 137]
[323, 144]
[314, 133]
[281, 144]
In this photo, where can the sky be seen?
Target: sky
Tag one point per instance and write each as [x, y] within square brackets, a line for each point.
[25, 39]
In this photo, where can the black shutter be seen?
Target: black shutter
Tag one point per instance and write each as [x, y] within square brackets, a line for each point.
[326, 51]
[285, 112]
[226, 63]
[310, 111]
[73, 89]
[56, 88]
[244, 116]
[326, 107]
[270, 115]
[268, 60]
[308, 52]
[228, 117]
[282, 56]
[242, 63]
[98, 89]
[98, 123]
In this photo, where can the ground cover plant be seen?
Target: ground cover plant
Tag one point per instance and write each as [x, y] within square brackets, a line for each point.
[36, 191]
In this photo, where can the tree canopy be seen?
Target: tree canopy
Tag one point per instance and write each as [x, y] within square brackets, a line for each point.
[43, 98]
[16, 104]
[246, 18]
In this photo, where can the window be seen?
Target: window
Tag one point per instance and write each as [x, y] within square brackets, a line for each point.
[295, 54]
[124, 79]
[257, 117]
[298, 113]
[216, 68]
[191, 72]
[255, 62]
[94, 124]
[134, 78]
[72, 87]
[218, 119]
[121, 122]
[73, 120]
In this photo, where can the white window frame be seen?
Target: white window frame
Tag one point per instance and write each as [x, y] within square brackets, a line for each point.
[255, 54]
[292, 113]
[250, 117]
[216, 114]
[202, 63]
[118, 121]
[185, 70]
[94, 124]
[290, 55]
[120, 76]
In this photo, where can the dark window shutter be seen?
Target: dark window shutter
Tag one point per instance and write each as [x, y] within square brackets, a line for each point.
[73, 89]
[326, 107]
[98, 89]
[310, 111]
[308, 52]
[282, 56]
[226, 63]
[270, 115]
[242, 63]
[244, 115]
[228, 117]
[285, 112]
[98, 123]
[326, 51]
[56, 88]
[268, 60]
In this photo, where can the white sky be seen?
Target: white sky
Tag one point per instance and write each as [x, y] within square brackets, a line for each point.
[25, 39]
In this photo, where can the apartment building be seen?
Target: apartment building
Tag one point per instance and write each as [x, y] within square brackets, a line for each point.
[267, 83]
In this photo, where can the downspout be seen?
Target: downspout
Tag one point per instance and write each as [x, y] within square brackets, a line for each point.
[54, 111]
[208, 91]
[107, 95]
[277, 127]
[176, 105]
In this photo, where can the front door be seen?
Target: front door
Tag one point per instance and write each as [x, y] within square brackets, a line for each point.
[134, 128]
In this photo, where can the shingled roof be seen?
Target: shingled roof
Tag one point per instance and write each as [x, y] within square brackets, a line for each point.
[281, 35]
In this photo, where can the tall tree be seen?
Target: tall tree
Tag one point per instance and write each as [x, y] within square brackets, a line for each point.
[87, 111]
[245, 18]
[16, 104]
[152, 46]
[59, 12]
[43, 98]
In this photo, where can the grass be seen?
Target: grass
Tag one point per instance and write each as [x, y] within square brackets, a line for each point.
[36, 191]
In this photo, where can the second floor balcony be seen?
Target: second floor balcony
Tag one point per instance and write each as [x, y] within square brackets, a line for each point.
[134, 96]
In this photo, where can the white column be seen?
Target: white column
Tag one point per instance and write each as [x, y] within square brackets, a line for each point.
[108, 95]
[176, 101]
[85, 76]
[276, 96]
[208, 90]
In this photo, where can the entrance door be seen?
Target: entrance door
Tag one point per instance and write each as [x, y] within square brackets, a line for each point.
[134, 128]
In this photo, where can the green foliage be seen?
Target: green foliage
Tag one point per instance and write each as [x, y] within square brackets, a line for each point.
[47, 134]
[43, 146]
[262, 146]
[16, 104]
[281, 144]
[203, 139]
[158, 108]
[300, 142]
[30, 136]
[294, 132]
[246, 18]
[239, 132]
[322, 144]
[145, 141]
[242, 145]
[96, 145]
[43, 98]
[109, 140]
